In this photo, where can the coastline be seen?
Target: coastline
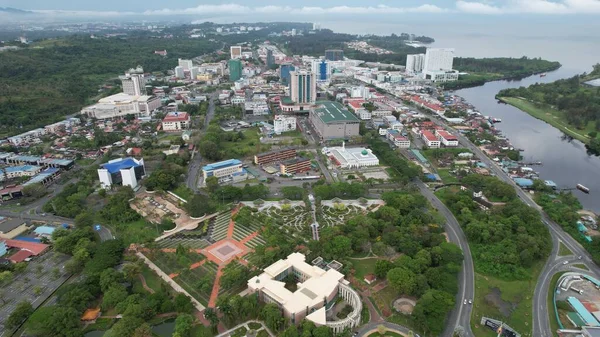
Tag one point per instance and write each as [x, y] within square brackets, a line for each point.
[483, 81]
[548, 115]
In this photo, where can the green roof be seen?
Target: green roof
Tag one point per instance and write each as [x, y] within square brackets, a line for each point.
[329, 111]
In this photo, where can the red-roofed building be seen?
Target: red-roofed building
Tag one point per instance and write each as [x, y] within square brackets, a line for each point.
[430, 139]
[136, 151]
[175, 121]
[20, 256]
[33, 247]
[437, 108]
[448, 139]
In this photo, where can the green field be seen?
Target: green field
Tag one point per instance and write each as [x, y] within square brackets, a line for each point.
[563, 250]
[135, 232]
[550, 116]
[446, 176]
[363, 267]
[517, 296]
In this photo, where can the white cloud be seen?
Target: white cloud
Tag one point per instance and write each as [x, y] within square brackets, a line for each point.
[531, 7]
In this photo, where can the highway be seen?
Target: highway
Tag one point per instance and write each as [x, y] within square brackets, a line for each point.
[461, 315]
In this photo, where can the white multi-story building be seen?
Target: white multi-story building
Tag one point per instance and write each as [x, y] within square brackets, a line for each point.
[303, 86]
[448, 139]
[438, 65]
[185, 64]
[134, 82]
[321, 69]
[122, 104]
[284, 123]
[398, 139]
[194, 71]
[124, 171]
[414, 63]
[316, 293]
[179, 72]
[257, 107]
[430, 139]
[437, 59]
[235, 52]
[175, 121]
[227, 170]
[354, 157]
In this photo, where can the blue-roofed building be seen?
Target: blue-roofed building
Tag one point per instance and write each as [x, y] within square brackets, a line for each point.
[44, 230]
[523, 182]
[227, 170]
[587, 317]
[11, 172]
[64, 164]
[126, 171]
[28, 239]
[581, 227]
[550, 184]
[45, 177]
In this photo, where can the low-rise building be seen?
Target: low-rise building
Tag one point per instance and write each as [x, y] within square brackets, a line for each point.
[398, 139]
[11, 172]
[447, 139]
[274, 156]
[126, 172]
[332, 121]
[283, 123]
[11, 228]
[351, 157]
[175, 121]
[430, 139]
[227, 170]
[294, 166]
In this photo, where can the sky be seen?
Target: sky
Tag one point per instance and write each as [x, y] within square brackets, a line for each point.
[313, 7]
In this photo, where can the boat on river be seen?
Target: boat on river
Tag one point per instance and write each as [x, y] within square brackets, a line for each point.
[583, 188]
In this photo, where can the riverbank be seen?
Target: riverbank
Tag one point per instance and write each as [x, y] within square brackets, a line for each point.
[551, 116]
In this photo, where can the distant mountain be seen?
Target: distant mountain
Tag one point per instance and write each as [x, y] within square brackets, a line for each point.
[14, 10]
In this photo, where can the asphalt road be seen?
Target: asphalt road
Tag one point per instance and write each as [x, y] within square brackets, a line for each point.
[105, 234]
[373, 326]
[461, 315]
[196, 162]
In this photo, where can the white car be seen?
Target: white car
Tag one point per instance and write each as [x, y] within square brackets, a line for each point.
[470, 301]
[566, 262]
[465, 301]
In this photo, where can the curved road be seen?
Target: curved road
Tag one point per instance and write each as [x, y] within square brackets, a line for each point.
[362, 332]
[461, 315]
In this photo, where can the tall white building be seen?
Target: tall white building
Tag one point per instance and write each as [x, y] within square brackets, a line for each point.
[284, 123]
[414, 63]
[438, 59]
[303, 86]
[124, 171]
[236, 52]
[179, 72]
[134, 82]
[438, 65]
[186, 64]
[194, 71]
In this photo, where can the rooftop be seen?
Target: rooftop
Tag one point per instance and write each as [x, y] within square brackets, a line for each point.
[20, 256]
[221, 164]
[8, 224]
[43, 175]
[331, 112]
[26, 168]
[117, 165]
[430, 137]
[176, 117]
[34, 248]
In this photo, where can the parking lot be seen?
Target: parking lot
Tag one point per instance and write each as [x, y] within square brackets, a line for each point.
[40, 279]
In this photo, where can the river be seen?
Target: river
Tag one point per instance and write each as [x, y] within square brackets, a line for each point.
[565, 161]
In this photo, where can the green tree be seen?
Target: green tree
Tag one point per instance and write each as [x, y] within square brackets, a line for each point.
[183, 303]
[212, 184]
[402, 280]
[271, 315]
[21, 312]
[184, 324]
[110, 277]
[113, 296]
[54, 321]
[84, 219]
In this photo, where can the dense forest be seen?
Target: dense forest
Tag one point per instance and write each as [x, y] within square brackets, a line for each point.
[506, 241]
[579, 102]
[491, 69]
[54, 78]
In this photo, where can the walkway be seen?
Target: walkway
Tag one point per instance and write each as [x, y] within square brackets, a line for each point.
[248, 238]
[169, 281]
[245, 324]
[215, 290]
[145, 285]
[197, 264]
[232, 222]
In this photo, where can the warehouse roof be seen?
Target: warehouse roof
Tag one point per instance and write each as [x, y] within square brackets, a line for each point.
[330, 112]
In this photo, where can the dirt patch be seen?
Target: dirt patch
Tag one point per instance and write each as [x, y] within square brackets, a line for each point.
[404, 305]
[495, 298]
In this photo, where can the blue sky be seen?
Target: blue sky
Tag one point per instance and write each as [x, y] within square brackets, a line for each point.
[311, 7]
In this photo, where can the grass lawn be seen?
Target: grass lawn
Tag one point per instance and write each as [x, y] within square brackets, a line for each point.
[183, 192]
[135, 232]
[152, 280]
[551, 116]
[563, 250]
[364, 267]
[383, 300]
[250, 145]
[516, 295]
[446, 176]
[387, 333]
[580, 266]
[552, 315]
